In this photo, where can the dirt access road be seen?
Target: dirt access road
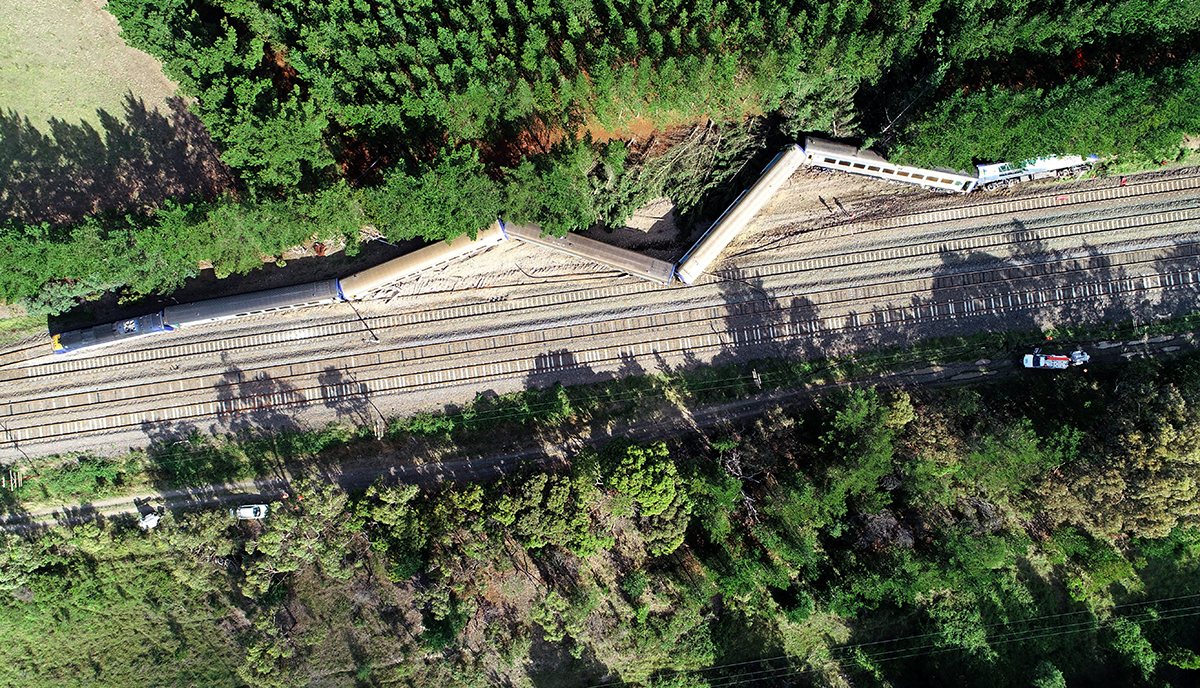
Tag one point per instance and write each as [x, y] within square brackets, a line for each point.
[541, 450]
[833, 265]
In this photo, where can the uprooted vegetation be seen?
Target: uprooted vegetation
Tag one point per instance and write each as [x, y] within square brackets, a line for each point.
[416, 119]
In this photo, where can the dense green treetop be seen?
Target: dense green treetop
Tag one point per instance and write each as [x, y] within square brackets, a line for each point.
[427, 119]
[998, 535]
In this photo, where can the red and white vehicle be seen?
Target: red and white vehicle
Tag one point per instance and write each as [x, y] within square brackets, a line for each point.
[1037, 359]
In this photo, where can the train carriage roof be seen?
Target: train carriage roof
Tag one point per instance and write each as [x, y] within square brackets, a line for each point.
[814, 145]
[255, 302]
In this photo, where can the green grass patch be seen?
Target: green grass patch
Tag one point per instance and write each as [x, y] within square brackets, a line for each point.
[1136, 162]
[202, 460]
[16, 329]
[80, 478]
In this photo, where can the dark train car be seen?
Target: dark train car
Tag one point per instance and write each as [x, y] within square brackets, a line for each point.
[254, 303]
[109, 333]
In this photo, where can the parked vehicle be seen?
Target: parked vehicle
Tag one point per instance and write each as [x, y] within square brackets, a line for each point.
[249, 512]
[1055, 361]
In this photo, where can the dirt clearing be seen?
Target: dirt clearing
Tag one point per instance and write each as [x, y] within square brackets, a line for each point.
[64, 60]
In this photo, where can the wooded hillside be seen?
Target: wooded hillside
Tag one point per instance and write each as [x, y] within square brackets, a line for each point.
[427, 118]
[1038, 532]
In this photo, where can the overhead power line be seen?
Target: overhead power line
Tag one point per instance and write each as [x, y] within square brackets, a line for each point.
[843, 652]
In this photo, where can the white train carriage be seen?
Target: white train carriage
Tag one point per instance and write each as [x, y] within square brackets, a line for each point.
[735, 218]
[846, 158]
[254, 303]
[361, 284]
[1004, 174]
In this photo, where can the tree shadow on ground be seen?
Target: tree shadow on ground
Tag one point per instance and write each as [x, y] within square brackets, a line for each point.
[251, 404]
[549, 663]
[758, 324]
[125, 165]
[343, 394]
[1033, 287]
[620, 394]
[1179, 272]
[1021, 285]
[253, 400]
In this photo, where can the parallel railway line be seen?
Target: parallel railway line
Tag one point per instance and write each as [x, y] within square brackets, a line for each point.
[527, 345]
[375, 377]
[938, 245]
[980, 210]
[845, 298]
[976, 210]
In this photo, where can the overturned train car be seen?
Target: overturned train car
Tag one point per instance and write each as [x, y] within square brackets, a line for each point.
[223, 308]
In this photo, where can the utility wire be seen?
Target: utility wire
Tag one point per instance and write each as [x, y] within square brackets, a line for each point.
[1012, 636]
[705, 385]
[781, 672]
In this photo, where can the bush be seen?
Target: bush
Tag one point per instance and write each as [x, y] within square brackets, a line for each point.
[634, 584]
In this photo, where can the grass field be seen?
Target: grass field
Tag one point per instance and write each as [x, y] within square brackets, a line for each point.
[65, 59]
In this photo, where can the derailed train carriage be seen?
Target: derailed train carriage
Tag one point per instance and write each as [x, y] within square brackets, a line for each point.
[846, 158]
[816, 153]
[349, 288]
[1005, 174]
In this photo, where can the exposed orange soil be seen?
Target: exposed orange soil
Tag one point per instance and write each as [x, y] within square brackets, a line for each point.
[637, 128]
[282, 74]
[646, 137]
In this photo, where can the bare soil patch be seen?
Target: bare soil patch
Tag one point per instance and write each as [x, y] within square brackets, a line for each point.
[64, 60]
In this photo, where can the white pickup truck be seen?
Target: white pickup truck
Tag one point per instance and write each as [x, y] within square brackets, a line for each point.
[249, 512]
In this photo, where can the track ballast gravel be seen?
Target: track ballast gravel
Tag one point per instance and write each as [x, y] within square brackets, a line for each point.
[806, 280]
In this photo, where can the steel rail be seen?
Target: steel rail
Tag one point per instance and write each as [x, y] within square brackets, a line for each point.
[382, 324]
[390, 382]
[985, 208]
[990, 208]
[379, 324]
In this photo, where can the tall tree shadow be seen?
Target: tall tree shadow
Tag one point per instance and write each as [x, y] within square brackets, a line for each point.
[251, 404]
[1179, 280]
[1034, 287]
[759, 325]
[124, 165]
[342, 393]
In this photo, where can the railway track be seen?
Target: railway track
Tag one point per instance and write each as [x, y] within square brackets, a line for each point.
[913, 247]
[528, 346]
[713, 309]
[1128, 228]
[293, 385]
[27, 352]
[976, 211]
